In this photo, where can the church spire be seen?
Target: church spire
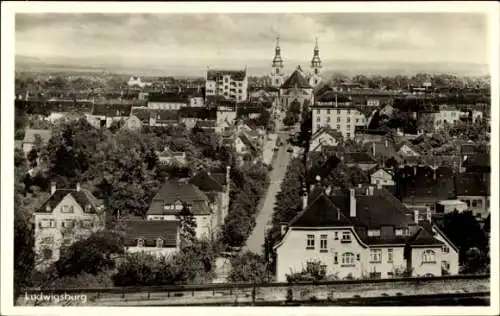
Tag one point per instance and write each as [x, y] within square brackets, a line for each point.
[316, 61]
[277, 61]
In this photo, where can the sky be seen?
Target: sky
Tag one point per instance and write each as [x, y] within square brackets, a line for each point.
[201, 40]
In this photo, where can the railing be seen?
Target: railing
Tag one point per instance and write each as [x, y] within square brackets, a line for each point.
[232, 286]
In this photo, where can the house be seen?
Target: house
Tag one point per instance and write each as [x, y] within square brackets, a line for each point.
[383, 177]
[337, 112]
[34, 138]
[206, 124]
[217, 187]
[363, 235]
[163, 117]
[474, 190]
[158, 238]
[447, 115]
[167, 101]
[424, 186]
[133, 123]
[103, 115]
[243, 145]
[359, 159]
[405, 150]
[170, 157]
[229, 84]
[136, 81]
[226, 112]
[174, 196]
[478, 163]
[449, 252]
[324, 137]
[384, 150]
[449, 206]
[66, 216]
[190, 115]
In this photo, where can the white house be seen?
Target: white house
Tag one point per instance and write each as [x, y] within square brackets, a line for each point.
[158, 238]
[382, 177]
[355, 237]
[66, 216]
[324, 137]
[229, 84]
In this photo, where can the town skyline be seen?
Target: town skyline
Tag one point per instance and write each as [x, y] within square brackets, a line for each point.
[457, 40]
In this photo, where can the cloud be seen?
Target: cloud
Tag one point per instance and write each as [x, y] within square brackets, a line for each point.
[251, 37]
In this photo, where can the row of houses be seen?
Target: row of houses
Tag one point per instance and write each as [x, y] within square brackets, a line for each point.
[71, 214]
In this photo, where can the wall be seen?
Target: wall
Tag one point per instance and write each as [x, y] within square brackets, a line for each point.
[420, 268]
[483, 210]
[382, 177]
[451, 256]
[164, 251]
[230, 293]
[337, 119]
[292, 255]
[166, 105]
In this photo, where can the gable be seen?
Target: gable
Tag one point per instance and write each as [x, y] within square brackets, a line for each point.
[381, 173]
[68, 201]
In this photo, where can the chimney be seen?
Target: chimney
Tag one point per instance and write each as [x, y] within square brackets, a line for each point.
[429, 216]
[373, 148]
[415, 216]
[386, 143]
[352, 203]
[78, 187]
[414, 170]
[53, 188]
[360, 185]
[370, 190]
[328, 190]
[228, 176]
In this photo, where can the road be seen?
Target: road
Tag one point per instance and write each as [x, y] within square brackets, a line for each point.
[256, 240]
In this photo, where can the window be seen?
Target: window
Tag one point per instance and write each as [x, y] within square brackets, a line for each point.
[373, 232]
[318, 119]
[446, 249]
[140, 242]
[348, 120]
[328, 111]
[338, 119]
[445, 265]
[159, 243]
[338, 126]
[375, 255]
[348, 135]
[389, 255]
[346, 237]
[429, 256]
[474, 203]
[67, 241]
[323, 242]
[67, 209]
[347, 259]
[47, 253]
[318, 112]
[336, 236]
[328, 119]
[87, 224]
[47, 240]
[53, 223]
[358, 257]
[348, 111]
[310, 242]
[375, 275]
[357, 120]
[336, 258]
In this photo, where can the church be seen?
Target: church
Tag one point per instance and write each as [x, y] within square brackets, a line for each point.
[298, 86]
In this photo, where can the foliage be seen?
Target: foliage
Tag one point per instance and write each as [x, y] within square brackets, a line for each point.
[313, 271]
[187, 226]
[248, 267]
[455, 224]
[91, 255]
[24, 256]
[248, 185]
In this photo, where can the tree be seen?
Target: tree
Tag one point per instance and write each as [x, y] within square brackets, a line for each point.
[248, 267]
[313, 271]
[455, 224]
[24, 256]
[187, 226]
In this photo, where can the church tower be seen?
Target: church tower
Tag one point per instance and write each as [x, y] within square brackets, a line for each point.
[315, 78]
[277, 71]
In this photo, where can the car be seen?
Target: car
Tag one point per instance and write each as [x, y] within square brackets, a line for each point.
[290, 150]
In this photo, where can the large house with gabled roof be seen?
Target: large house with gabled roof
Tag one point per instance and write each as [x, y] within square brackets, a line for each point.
[366, 234]
[65, 217]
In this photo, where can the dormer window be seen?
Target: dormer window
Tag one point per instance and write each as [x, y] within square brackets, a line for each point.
[47, 208]
[373, 232]
[399, 232]
[159, 243]
[140, 242]
[346, 237]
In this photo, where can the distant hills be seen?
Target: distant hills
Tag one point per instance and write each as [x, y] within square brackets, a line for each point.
[146, 67]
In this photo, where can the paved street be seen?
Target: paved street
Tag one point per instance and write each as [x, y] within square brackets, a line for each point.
[256, 240]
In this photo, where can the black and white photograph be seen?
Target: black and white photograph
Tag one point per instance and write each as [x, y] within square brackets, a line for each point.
[250, 155]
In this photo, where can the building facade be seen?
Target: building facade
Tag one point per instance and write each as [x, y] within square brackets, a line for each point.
[229, 84]
[67, 216]
[338, 115]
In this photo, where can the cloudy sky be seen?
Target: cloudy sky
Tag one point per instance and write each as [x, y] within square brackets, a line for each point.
[211, 39]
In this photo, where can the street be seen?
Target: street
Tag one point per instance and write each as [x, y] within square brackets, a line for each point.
[256, 240]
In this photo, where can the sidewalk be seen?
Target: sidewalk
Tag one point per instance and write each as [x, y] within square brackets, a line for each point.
[268, 151]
